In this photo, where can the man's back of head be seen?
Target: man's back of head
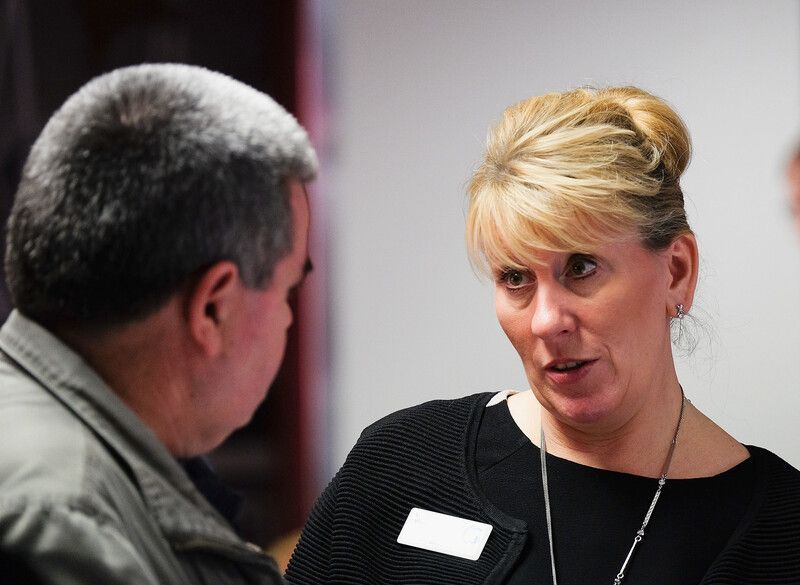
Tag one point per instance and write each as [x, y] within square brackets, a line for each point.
[144, 177]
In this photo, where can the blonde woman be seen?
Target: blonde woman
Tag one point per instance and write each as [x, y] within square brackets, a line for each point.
[603, 471]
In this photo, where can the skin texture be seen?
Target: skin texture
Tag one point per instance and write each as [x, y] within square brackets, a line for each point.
[609, 309]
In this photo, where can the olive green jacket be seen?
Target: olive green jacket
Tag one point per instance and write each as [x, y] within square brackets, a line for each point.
[87, 492]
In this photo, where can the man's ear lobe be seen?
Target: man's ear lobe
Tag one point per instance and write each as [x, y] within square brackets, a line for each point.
[210, 303]
[683, 268]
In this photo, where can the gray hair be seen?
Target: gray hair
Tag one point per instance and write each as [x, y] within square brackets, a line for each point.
[145, 177]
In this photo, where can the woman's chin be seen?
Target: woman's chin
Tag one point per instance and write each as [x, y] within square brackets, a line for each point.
[582, 411]
[587, 400]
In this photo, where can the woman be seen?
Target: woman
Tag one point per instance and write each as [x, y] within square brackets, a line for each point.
[604, 472]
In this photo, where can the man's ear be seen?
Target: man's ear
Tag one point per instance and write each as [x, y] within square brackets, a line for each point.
[210, 304]
[682, 261]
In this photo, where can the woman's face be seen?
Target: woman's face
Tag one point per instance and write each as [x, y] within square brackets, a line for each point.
[592, 329]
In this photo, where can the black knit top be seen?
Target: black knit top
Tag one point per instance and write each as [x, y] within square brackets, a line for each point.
[596, 513]
[425, 457]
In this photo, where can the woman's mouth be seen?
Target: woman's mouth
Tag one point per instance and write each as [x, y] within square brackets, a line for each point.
[568, 366]
[568, 371]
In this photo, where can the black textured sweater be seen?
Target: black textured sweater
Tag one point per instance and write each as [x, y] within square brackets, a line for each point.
[425, 457]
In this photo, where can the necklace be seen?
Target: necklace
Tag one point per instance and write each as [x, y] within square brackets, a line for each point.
[639, 533]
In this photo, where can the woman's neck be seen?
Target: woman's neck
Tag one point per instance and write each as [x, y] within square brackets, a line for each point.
[639, 444]
[634, 442]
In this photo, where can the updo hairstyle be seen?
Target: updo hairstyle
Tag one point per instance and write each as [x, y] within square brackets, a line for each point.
[570, 171]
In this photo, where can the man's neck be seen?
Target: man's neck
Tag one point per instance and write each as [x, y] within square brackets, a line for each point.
[144, 364]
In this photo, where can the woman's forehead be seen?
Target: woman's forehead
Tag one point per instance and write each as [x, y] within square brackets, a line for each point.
[507, 253]
[521, 248]
[609, 249]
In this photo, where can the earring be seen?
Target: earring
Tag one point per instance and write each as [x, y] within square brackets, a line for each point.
[679, 312]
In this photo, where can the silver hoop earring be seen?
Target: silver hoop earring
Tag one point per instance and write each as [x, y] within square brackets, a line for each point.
[679, 312]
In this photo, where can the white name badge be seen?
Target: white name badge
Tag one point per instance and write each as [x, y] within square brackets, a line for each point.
[445, 534]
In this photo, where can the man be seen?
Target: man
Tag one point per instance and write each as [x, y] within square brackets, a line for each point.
[793, 182]
[157, 231]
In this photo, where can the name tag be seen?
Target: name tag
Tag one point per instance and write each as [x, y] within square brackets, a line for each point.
[458, 537]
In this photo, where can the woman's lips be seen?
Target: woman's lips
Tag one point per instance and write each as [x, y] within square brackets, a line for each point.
[568, 371]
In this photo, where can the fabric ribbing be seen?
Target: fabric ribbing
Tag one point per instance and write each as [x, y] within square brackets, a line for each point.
[424, 457]
[351, 536]
[766, 549]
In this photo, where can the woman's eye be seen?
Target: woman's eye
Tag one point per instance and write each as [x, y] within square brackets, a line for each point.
[581, 267]
[514, 279]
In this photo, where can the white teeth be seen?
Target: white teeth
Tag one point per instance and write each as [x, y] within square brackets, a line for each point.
[566, 366]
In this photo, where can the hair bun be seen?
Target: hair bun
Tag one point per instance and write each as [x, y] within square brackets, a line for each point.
[659, 125]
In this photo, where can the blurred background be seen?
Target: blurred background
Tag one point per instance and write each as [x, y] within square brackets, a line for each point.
[398, 96]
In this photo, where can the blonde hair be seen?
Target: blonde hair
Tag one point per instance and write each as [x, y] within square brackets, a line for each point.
[569, 171]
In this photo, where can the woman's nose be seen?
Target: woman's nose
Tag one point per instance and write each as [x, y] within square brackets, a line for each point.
[552, 314]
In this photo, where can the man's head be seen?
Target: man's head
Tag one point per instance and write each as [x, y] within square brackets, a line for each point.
[159, 227]
[793, 182]
[143, 179]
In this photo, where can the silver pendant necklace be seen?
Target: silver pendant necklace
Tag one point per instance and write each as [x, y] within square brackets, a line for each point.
[639, 533]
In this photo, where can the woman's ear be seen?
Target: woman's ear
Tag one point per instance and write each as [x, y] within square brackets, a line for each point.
[210, 304]
[682, 261]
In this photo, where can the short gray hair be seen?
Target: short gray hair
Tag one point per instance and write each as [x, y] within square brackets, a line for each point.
[145, 177]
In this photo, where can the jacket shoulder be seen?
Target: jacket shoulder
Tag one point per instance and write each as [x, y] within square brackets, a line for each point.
[79, 541]
[45, 448]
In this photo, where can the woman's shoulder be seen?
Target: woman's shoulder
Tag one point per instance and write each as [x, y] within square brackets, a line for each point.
[777, 494]
[443, 414]
[774, 467]
[408, 451]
